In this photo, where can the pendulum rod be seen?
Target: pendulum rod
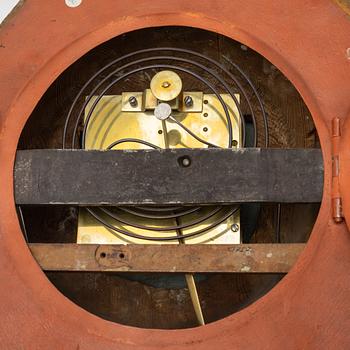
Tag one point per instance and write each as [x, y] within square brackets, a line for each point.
[191, 284]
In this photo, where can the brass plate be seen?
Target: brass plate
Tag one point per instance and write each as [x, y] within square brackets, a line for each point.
[147, 101]
[109, 123]
[151, 102]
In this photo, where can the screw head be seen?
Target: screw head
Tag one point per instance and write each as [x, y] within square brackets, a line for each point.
[235, 227]
[73, 3]
[133, 101]
[188, 101]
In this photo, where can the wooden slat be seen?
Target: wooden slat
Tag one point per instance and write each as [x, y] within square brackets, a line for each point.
[242, 258]
[214, 176]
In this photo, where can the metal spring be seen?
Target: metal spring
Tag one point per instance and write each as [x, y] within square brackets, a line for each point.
[100, 80]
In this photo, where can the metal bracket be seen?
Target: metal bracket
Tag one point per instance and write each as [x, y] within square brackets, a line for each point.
[181, 258]
[145, 101]
[337, 210]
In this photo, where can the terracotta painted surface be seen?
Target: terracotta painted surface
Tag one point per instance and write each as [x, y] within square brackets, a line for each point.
[306, 40]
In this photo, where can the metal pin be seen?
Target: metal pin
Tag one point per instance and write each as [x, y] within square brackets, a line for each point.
[165, 84]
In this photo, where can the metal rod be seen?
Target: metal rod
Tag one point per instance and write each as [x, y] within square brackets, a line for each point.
[191, 284]
[278, 223]
[22, 223]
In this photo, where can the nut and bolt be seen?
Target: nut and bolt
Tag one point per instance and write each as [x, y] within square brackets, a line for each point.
[133, 101]
[188, 101]
[235, 227]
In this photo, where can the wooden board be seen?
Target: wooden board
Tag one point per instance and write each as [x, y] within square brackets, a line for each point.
[214, 176]
[242, 258]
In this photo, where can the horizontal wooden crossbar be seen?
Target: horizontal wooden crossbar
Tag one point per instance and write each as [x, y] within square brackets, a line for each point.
[241, 258]
[176, 176]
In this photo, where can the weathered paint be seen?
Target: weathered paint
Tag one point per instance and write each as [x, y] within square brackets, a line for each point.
[307, 40]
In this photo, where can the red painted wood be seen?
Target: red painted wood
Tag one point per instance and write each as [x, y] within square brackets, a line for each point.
[307, 41]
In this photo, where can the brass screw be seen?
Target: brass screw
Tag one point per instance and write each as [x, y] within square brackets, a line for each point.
[165, 84]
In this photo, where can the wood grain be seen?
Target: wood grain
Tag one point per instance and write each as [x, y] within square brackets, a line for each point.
[241, 258]
[214, 176]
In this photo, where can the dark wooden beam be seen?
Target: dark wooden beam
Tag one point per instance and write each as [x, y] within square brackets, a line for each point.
[188, 176]
[242, 258]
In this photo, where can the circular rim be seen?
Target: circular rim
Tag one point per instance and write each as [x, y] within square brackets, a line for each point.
[65, 318]
[166, 85]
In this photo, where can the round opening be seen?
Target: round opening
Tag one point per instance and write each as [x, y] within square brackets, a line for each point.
[164, 300]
